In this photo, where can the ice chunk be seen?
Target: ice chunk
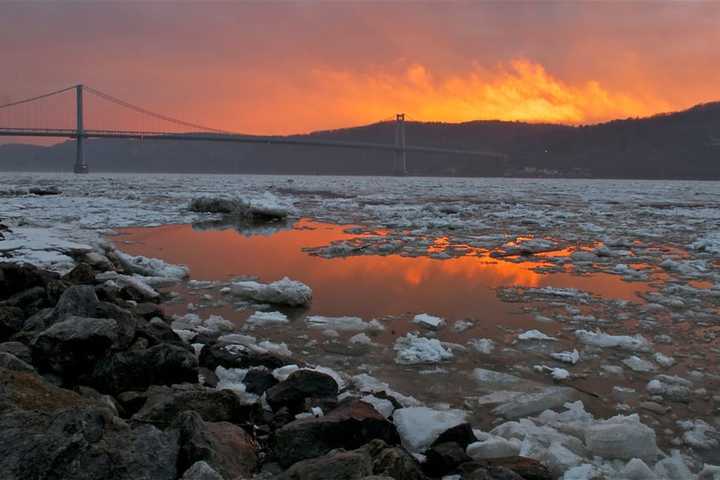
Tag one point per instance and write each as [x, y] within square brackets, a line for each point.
[462, 325]
[342, 323]
[567, 357]
[671, 388]
[191, 321]
[636, 343]
[482, 345]
[559, 459]
[664, 360]
[282, 292]
[267, 318]
[622, 437]
[383, 406]
[636, 469]
[272, 347]
[494, 447]
[637, 364]
[361, 338]
[420, 426]
[412, 349]
[700, 434]
[152, 267]
[556, 373]
[485, 376]
[533, 403]
[581, 472]
[673, 467]
[709, 472]
[535, 335]
[429, 321]
[281, 374]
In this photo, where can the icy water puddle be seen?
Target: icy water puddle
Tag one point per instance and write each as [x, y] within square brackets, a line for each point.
[368, 286]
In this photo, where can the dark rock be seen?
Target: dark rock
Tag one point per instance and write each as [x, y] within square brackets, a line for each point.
[16, 278]
[237, 356]
[79, 300]
[394, 462]
[131, 292]
[338, 466]
[507, 468]
[156, 331]
[30, 300]
[71, 347]
[227, 448]
[20, 350]
[12, 320]
[445, 458]
[352, 424]
[162, 364]
[126, 322]
[201, 471]
[300, 385]
[83, 443]
[35, 324]
[51, 190]
[258, 380]
[29, 391]
[148, 311]
[11, 362]
[81, 274]
[461, 434]
[163, 405]
[54, 290]
[281, 417]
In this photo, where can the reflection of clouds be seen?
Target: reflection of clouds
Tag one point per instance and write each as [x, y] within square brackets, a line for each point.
[246, 228]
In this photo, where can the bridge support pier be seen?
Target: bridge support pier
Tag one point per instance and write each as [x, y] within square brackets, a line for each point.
[400, 152]
[80, 165]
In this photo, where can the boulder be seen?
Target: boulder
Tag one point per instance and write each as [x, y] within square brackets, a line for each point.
[336, 466]
[81, 274]
[445, 458]
[225, 447]
[29, 301]
[162, 364]
[72, 347]
[12, 320]
[238, 356]
[79, 300]
[258, 380]
[83, 443]
[508, 468]
[29, 391]
[20, 350]
[16, 278]
[201, 471]
[461, 434]
[395, 462]
[300, 385]
[156, 331]
[352, 424]
[11, 362]
[162, 405]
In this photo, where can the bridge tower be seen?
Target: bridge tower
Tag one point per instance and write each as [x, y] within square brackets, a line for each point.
[400, 153]
[80, 165]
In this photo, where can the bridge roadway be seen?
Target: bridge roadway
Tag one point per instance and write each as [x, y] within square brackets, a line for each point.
[217, 137]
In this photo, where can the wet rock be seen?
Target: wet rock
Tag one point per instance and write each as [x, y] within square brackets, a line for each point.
[162, 364]
[258, 380]
[11, 362]
[529, 404]
[445, 458]
[352, 424]
[162, 405]
[239, 356]
[509, 468]
[81, 274]
[461, 434]
[72, 347]
[298, 386]
[225, 447]
[12, 320]
[16, 278]
[83, 443]
[20, 350]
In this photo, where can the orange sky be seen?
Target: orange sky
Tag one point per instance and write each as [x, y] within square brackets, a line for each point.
[287, 67]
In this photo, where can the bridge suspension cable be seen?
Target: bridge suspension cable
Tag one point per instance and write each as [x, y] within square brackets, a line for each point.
[159, 116]
[39, 97]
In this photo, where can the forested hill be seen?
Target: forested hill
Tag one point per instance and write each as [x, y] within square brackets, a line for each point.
[675, 145]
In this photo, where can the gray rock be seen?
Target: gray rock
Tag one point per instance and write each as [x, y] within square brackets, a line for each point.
[227, 448]
[12, 320]
[71, 347]
[337, 466]
[20, 350]
[352, 424]
[163, 405]
[16, 278]
[79, 300]
[233, 356]
[201, 471]
[298, 386]
[162, 364]
[11, 362]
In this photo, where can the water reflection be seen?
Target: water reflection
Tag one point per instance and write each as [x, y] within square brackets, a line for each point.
[365, 285]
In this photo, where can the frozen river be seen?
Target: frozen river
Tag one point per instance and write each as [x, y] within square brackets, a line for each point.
[609, 287]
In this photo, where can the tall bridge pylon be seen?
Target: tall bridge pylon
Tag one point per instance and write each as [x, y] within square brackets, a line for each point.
[400, 150]
[80, 165]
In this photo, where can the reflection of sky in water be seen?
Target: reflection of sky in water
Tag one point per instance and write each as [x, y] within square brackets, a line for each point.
[367, 285]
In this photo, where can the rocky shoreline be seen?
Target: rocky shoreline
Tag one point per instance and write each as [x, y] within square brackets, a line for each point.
[96, 384]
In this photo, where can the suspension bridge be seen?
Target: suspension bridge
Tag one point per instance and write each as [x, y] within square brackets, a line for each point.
[23, 118]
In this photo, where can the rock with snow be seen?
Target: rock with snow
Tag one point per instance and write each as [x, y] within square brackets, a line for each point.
[412, 349]
[420, 426]
[282, 292]
[429, 321]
